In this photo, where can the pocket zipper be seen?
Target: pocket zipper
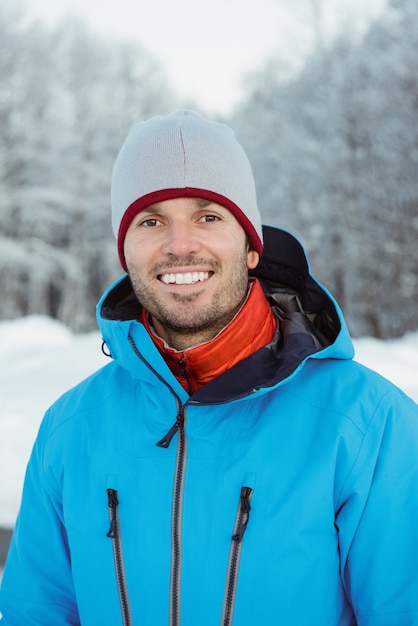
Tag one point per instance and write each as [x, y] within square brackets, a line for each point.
[115, 536]
[241, 522]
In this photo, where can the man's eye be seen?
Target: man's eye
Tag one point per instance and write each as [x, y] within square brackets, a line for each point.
[210, 218]
[150, 222]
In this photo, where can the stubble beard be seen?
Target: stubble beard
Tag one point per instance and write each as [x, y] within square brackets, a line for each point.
[190, 319]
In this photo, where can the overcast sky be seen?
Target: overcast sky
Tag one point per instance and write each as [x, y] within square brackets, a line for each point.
[207, 47]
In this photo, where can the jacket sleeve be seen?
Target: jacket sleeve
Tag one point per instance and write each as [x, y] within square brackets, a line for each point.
[37, 587]
[378, 519]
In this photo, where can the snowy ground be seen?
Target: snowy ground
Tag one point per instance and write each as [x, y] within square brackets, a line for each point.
[40, 359]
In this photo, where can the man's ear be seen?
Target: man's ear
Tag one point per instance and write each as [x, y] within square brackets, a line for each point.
[252, 259]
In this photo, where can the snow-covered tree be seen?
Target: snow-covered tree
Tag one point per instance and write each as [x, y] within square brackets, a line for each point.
[63, 117]
[335, 154]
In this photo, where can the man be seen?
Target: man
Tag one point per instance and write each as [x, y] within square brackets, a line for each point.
[232, 464]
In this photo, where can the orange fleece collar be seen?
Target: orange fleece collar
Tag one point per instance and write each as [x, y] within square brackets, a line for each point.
[251, 329]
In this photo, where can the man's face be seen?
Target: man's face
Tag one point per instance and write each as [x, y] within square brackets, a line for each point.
[188, 261]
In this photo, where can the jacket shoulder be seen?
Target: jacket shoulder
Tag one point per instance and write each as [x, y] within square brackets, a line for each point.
[352, 390]
[92, 393]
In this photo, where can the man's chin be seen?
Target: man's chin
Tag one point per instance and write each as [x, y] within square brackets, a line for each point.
[189, 320]
[186, 298]
[186, 326]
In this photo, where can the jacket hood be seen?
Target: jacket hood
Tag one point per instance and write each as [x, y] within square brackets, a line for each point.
[311, 325]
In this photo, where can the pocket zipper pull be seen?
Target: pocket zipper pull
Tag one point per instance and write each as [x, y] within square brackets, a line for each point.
[244, 516]
[112, 501]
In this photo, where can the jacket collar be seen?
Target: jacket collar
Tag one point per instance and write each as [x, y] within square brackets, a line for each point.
[251, 329]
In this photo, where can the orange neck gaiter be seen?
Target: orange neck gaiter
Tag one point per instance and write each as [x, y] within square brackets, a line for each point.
[251, 329]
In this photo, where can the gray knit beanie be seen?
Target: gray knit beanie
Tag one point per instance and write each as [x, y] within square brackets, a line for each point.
[183, 155]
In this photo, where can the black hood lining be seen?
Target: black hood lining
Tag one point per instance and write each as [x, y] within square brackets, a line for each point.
[121, 303]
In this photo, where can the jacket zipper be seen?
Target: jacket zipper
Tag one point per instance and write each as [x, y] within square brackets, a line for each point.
[176, 514]
[177, 508]
[241, 522]
[115, 536]
[177, 502]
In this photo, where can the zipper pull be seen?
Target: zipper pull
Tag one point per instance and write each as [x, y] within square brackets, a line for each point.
[112, 501]
[184, 373]
[112, 498]
[244, 516]
[166, 440]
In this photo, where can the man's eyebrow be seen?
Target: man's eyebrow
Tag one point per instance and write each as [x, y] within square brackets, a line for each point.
[152, 208]
[201, 203]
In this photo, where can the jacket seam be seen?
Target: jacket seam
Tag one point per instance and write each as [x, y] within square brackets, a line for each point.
[42, 604]
[361, 615]
[371, 421]
[52, 431]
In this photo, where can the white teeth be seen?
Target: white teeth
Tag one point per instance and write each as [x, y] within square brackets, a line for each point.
[188, 278]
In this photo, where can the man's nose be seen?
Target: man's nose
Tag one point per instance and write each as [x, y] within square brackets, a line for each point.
[181, 239]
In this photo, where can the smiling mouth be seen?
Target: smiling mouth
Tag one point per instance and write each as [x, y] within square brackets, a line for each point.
[184, 278]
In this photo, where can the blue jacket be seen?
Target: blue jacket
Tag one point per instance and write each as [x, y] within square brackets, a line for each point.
[284, 492]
